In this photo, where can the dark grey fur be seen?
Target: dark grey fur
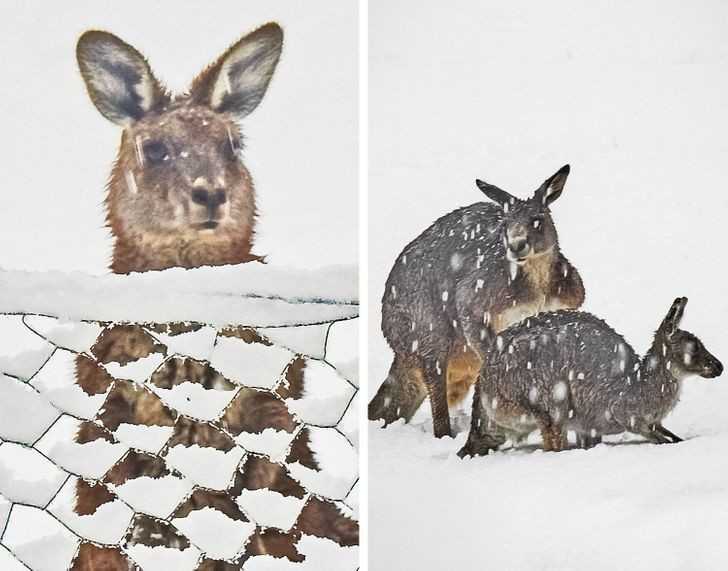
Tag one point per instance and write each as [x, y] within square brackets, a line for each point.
[460, 281]
[569, 370]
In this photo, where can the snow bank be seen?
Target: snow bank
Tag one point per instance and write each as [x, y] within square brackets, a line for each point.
[619, 505]
[251, 295]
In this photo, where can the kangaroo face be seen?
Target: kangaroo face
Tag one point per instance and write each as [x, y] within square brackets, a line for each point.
[689, 355]
[182, 173]
[686, 353]
[528, 228]
[179, 191]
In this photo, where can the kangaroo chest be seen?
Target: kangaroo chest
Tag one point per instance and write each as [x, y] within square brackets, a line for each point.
[533, 294]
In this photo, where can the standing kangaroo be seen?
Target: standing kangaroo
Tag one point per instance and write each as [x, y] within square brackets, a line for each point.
[471, 274]
[568, 370]
[179, 194]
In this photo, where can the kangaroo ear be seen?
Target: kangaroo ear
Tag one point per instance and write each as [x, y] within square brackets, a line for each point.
[675, 315]
[494, 193]
[551, 189]
[118, 78]
[237, 81]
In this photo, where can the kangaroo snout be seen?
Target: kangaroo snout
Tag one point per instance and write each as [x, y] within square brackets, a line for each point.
[518, 247]
[712, 369]
[211, 198]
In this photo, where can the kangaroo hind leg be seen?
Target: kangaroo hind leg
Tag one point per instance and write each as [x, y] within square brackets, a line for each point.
[401, 393]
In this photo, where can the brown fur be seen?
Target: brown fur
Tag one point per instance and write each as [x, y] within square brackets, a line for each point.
[189, 432]
[135, 465]
[92, 557]
[463, 365]
[178, 370]
[221, 501]
[216, 565]
[91, 377]
[553, 436]
[139, 250]
[543, 273]
[276, 543]
[94, 496]
[151, 531]
[179, 194]
[89, 431]
[292, 385]
[125, 343]
[258, 473]
[324, 519]
[301, 451]
[254, 410]
[130, 403]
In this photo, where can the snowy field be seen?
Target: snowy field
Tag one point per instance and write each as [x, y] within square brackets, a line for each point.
[633, 96]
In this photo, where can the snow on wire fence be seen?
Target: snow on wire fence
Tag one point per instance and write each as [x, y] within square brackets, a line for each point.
[159, 421]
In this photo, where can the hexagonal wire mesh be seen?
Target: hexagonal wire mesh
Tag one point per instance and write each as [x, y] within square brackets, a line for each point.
[178, 446]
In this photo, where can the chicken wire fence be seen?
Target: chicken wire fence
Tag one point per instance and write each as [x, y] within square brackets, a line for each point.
[178, 445]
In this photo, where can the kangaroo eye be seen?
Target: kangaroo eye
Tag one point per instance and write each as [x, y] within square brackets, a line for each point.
[155, 151]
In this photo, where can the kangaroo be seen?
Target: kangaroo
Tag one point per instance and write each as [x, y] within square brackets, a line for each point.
[569, 370]
[471, 274]
[179, 194]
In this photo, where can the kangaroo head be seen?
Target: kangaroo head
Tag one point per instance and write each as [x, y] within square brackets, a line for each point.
[179, 183]
[528, 228]
[685, 351]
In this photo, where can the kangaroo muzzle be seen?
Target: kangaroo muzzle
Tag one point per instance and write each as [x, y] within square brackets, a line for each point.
[712, 369]
[518, 249]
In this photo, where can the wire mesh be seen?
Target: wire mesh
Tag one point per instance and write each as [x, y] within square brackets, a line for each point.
[178, 446]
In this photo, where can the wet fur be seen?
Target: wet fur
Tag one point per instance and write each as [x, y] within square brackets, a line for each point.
[140, 244]
[452, 288]
[174, 147]
[570, 370]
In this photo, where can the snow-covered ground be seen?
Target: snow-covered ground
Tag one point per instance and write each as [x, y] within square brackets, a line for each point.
[634, 97]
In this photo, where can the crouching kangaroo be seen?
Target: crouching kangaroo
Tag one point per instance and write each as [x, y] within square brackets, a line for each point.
[472, 273]
[569, 370]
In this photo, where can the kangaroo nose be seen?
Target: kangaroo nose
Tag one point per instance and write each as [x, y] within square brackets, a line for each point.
[519, 246]
[209, 198]
[200, 196]
[718, 368]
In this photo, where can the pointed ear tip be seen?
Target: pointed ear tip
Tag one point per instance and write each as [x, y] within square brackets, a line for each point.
[94, 36]
[85, 38]
[566, 169]
[271, 29]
